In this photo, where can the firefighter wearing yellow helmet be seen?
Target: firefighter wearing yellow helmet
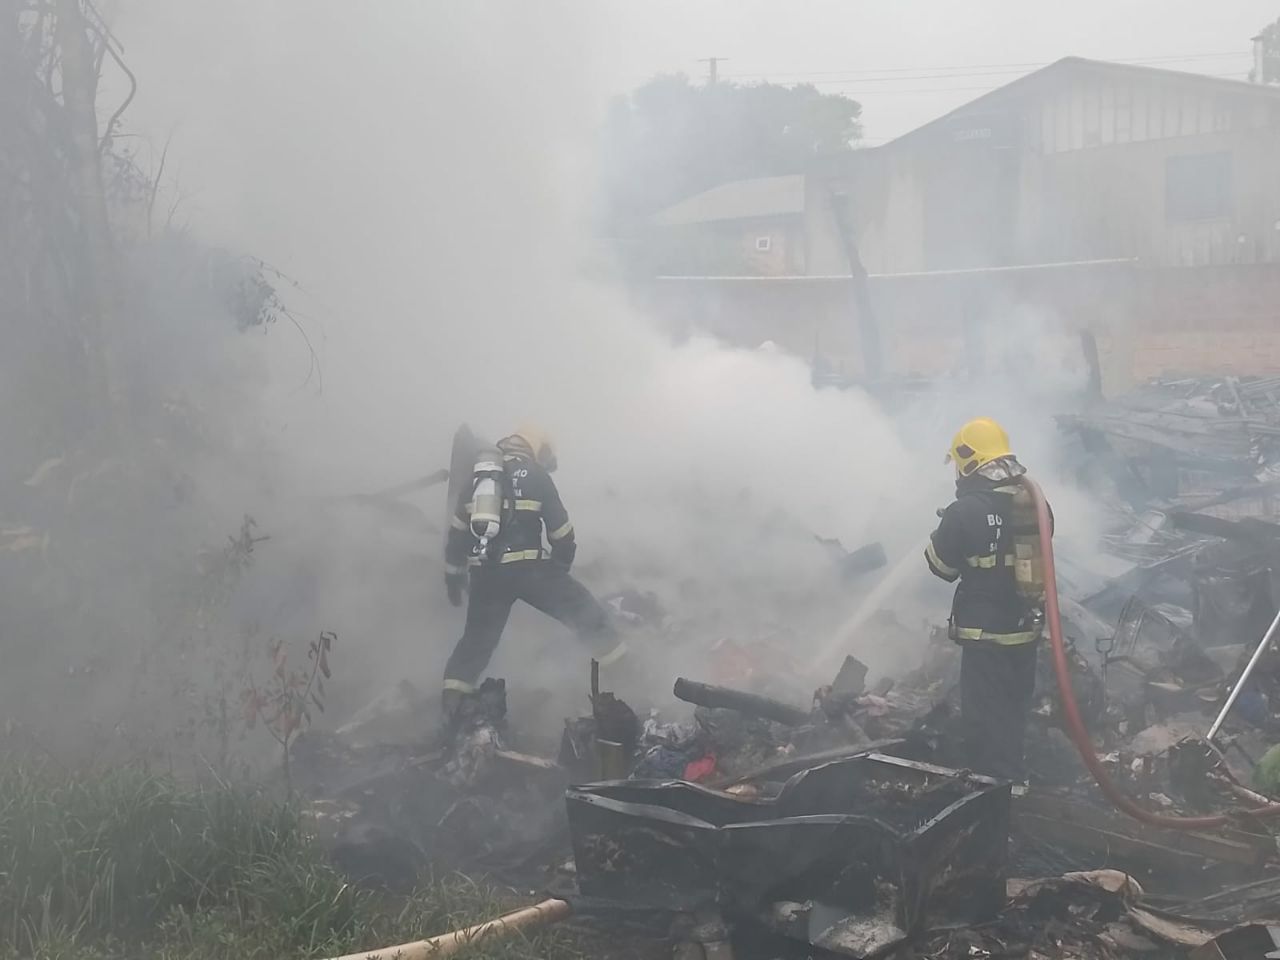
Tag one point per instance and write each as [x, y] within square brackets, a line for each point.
[988, 541]
[496, 536]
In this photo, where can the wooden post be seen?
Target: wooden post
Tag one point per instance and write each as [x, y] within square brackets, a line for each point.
[447, 944]
[868, 325]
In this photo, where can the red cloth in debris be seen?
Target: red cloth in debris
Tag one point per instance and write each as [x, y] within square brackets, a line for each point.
[700, 769]
[738, 665]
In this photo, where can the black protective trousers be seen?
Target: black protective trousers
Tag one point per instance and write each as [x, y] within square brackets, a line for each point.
[545, 586]
[997, 684]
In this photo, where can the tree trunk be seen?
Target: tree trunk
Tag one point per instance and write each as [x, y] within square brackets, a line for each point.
[102, 302]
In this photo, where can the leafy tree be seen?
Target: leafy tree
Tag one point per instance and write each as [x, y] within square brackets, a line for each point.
[671, 138]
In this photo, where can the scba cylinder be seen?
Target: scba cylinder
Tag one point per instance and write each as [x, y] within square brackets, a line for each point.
[486, 496]
[1028, 551]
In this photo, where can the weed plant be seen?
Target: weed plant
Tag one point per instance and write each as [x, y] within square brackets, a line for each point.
[133, 865]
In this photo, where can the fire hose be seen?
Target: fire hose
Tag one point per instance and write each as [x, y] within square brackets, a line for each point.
[1073, 722]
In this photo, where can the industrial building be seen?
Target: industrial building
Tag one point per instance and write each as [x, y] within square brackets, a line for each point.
[1138, 206]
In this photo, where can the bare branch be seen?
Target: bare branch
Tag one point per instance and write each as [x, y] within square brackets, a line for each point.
[109, 45]
[173, 210]
[155, 183]
[276, 308]
[314, 366]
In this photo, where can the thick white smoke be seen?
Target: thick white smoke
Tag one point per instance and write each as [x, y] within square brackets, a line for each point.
[424, 171]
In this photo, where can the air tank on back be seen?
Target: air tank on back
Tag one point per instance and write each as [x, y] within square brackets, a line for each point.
[1028, 551]
[486, 495]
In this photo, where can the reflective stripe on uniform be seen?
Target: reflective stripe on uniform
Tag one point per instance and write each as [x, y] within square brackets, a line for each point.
[452, 568]
[1002, 639]
[936, 562]
[513, 557]
[982, 563]
[457, 522]
[533, 505]
[460, 685]
[614, 655]
[559, 533]
[517, 555]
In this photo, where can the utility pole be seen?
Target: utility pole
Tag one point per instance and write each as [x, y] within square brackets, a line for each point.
[868, 324]
[712, 73]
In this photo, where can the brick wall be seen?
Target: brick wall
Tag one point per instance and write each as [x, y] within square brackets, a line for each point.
[1237, 354]
[1218, 320]
[1147, 322]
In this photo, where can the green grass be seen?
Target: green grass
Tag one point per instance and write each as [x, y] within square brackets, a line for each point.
[131, 865]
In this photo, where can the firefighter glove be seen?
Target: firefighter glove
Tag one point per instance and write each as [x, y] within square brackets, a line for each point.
[562, 554]
[454, 584]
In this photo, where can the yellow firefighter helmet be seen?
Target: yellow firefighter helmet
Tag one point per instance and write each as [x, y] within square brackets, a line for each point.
[540, 442]
[976, 444]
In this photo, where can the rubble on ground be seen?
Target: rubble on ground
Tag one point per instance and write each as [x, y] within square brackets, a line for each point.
[765, 820]
[818, 834]
[1187, 436]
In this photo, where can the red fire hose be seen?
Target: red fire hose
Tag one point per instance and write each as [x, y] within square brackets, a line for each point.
[1071, 709]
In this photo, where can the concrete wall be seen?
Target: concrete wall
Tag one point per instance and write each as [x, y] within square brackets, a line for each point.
[1076, 169]
[886, 205]
[730, 248]
[1118, 107]
[1111, 202]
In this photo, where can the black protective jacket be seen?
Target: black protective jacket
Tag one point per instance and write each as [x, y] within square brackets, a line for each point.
[974, 544]
[531, 503]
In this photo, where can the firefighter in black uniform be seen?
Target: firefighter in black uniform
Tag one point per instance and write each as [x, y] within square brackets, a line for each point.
[986, 540]
[517, 567]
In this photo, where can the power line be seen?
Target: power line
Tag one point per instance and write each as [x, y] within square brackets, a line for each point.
[994, 66]
[932, 76]
[855, 92]
[895, 72]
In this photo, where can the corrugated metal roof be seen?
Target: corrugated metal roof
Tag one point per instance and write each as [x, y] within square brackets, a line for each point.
[738, 200]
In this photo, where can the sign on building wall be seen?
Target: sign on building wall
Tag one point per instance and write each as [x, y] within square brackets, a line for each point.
[994, 130]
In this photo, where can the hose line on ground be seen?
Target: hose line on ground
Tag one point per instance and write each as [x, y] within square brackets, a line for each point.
[1075, 727]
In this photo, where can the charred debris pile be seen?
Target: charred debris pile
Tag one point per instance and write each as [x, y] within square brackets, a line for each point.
[764, 821]
[1169, 612]
[760, 828]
